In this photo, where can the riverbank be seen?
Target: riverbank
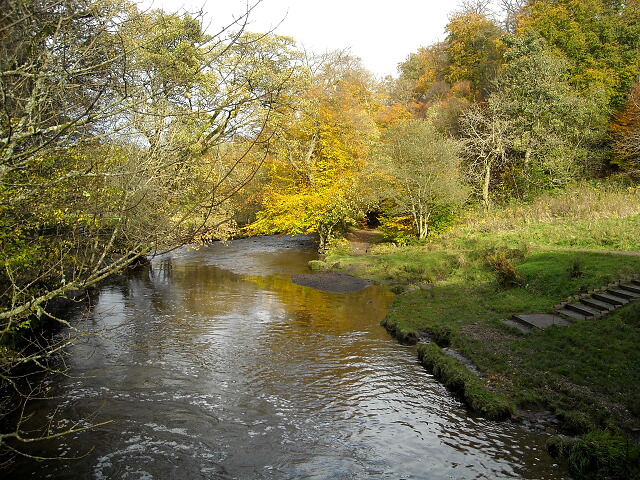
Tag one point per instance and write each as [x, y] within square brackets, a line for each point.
[577, 380]
[580, 381]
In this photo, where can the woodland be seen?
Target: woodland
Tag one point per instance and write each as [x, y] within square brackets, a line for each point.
[124, 133]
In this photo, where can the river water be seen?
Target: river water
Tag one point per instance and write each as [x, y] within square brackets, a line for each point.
[212, 364]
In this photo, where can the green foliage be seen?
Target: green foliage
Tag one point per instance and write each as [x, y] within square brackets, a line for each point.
[398, 230]
[599, 37]
[552, 133]
[423, 169]
[601, 455]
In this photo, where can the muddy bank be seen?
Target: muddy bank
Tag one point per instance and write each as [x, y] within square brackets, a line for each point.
[331, 282]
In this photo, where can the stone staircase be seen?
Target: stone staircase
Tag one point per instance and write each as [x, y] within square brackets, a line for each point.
[591, 305]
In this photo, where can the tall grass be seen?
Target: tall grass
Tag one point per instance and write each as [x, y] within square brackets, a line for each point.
[603, 216]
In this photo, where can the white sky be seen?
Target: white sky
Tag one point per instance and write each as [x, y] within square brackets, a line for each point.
[382, 33]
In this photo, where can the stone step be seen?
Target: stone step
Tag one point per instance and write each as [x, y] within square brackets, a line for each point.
[610, 299]
[635, 282]
[539, 320]
[597, 304]
[524, 328]
[582, 310]
[623, 293]
[630, 288]
[571, 314]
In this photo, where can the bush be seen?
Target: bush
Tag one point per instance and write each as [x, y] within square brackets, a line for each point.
[503, 261]
[443, 219]
[559, 446]
[398, 230]
[576, 269]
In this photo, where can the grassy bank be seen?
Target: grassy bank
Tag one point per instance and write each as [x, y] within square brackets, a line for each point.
[457, 289]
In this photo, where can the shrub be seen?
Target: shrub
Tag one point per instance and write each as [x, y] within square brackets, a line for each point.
[576, 269]
[503, 261]
[443, 219]
[559, 446]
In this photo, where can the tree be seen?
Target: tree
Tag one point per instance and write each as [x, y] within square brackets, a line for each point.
[424, 72]
[512, 9]
[626, 134]
[553, 133]
[599, 37]
[320, 153]
[121, 134]
[424, 171]
[474, 52]
[486, 141]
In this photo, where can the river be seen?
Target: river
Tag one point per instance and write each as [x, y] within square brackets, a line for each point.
[212, 364]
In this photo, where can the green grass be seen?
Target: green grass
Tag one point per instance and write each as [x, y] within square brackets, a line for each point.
[394, 265]
[464, 383]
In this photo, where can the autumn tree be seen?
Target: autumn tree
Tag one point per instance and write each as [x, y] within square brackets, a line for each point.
[511, 10]
[423, 73]
[424, 174]
[599, 37]
[626, 134]
[315, 169]
[474, 51]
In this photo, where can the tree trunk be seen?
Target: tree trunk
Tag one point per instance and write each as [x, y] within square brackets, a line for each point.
[485, 186]
[324, 237]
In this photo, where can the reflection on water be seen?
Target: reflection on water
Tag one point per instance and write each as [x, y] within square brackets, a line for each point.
[213, 364]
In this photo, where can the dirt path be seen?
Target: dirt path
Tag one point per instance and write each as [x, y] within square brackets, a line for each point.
[362, 239]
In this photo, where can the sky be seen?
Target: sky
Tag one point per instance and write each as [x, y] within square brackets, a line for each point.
[381, 33]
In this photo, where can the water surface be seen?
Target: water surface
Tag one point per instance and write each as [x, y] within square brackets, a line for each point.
[214, 365]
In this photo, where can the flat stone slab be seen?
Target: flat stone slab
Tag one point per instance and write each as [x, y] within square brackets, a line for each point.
[331, 282]
[541, 320]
